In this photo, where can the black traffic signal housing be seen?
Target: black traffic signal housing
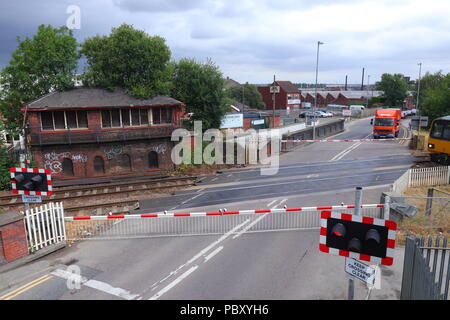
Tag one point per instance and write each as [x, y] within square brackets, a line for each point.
[30, 182]
[363, 238]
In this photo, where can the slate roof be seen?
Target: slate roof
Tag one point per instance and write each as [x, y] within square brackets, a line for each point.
[287, 86]
[88, 97]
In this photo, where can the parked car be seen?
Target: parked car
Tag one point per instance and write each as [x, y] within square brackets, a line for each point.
[321, 114]
[306, 113]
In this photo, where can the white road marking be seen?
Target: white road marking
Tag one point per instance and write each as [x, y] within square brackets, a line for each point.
[212, 254]
[269, 204]
[173, 283]
[192, 198]
[212, 245]
[201, 253]
[200, 190]
[341, 154]
[94, 284]
[214, 179]
[348, 151]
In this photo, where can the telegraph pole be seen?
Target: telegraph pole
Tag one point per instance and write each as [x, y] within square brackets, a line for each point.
[418, 92]
[273, 105]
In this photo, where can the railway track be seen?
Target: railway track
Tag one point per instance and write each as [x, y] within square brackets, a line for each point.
[112, 191]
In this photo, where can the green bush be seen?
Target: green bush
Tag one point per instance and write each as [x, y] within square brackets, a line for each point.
[5, 164]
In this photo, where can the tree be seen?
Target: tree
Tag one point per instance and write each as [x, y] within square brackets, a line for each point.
[436, 101]
[200, 87]
[247, 94]
[5, 164]
[427, 82]
[39, 65]
[129, 59]
[394, 87]
[376, 102]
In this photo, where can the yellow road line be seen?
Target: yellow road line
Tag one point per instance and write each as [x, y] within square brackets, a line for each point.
[25, 287]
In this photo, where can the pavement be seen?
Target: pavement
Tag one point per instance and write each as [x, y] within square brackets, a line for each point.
[238, 264]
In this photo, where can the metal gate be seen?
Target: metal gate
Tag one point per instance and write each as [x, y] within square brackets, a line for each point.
[45, 225]
[426, 269]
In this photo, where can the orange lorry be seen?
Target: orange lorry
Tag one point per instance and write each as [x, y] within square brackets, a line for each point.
[387, 123]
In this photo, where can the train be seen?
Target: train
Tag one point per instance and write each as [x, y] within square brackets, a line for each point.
[439, 140]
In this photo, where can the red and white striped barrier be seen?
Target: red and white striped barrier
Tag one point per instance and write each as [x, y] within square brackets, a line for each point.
[391, 225]
[349, 140]
[218, 213]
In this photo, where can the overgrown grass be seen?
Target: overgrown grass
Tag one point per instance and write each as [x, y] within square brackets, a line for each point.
[437, 223]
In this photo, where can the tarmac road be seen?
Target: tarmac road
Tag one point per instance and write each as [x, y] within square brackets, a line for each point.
[237, 264]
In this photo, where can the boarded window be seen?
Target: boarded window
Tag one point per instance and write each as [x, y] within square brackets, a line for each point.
[67, 167]
[153, 159]
[99, 165]
[125, 162]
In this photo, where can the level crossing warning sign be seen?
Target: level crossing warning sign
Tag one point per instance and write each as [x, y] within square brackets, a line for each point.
[358, 270]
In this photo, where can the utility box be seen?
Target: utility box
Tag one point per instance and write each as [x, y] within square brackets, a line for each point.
[13, 237]
[398, 208]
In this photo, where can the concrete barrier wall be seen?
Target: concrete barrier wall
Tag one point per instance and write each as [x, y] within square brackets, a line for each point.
[322, 131]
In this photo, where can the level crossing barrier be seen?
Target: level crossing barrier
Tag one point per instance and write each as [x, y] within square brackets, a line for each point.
[204, 223]
[346, 140]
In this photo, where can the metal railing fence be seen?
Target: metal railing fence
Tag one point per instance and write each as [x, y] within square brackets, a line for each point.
[426, 269]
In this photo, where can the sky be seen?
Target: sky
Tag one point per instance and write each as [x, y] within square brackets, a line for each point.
[255, 40]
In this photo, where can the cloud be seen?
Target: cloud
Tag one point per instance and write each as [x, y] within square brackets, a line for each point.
[251, 40]
[159, 5]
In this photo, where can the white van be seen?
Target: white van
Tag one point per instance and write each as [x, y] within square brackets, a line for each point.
[357, 107]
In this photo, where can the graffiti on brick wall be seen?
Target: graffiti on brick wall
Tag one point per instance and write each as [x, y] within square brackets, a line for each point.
[53, 160]
[160, 148]
[112, 152]
[79, 158]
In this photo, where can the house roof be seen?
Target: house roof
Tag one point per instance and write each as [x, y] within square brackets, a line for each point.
[88, 97]
[231, 83]
[287, 86]
[351, 94]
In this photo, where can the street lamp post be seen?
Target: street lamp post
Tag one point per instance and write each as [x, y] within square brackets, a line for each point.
[315, 90]
[418, 92]
[368, 81]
